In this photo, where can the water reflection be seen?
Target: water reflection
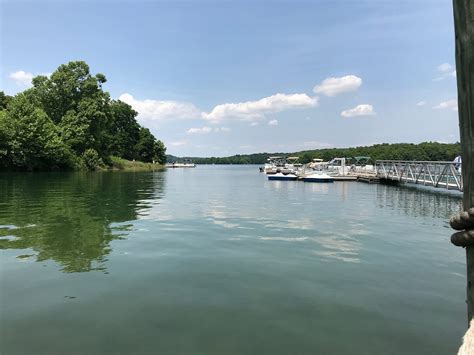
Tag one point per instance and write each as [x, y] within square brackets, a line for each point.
[418, 202]
[339, 246]
[72, 218]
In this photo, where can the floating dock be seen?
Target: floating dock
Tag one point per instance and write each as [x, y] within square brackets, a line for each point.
[345, 178]
[368, 178]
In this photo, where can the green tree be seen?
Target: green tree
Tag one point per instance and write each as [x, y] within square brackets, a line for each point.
[66, 88]
[91, 159]
[53, 124]
[74, 100]
[145, 148]
[33, 141]
[159, 153]
[306, 157]
[85, 127]
[123, 130]
[5, 135]
[4, 100]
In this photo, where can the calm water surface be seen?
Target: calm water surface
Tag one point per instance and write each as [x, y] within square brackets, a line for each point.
[218, 260]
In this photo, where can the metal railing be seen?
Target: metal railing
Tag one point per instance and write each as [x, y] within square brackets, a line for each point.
[439, 174]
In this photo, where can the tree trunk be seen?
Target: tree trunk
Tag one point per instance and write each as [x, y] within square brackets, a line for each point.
[464, 30]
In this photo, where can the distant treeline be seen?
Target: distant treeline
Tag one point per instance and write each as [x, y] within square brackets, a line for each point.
[67, 121]
[399, 151]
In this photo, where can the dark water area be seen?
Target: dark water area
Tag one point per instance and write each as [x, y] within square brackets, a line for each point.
[218, 260]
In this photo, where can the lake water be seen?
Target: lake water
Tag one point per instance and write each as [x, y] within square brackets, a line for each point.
[218, 260]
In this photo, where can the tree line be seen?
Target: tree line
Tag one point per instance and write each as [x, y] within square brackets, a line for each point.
[399, 151]
[67, 121]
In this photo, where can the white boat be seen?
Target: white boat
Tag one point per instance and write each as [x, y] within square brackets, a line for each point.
[274, 165]
[180, 165]
[317, 164]
[277, 164]
[318, 177]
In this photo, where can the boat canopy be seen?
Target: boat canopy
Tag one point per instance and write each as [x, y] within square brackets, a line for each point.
[362, 159]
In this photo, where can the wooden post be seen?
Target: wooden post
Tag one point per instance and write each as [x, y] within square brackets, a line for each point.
[464, 31]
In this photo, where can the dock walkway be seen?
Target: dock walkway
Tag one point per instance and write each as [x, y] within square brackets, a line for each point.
[438, 174]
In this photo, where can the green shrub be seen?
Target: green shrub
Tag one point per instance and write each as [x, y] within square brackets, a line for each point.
[91, 159]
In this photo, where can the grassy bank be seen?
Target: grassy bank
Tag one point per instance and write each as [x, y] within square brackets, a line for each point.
[129, 165]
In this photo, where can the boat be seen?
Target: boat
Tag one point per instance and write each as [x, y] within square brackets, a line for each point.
[278, 164]
[282, 177]
[274, 165]
[185, 164]
[318, 177]
[317, 164]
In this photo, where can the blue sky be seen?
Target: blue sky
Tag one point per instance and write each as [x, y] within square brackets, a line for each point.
[224, 77]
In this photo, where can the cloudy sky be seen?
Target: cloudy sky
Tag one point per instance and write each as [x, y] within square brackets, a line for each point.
[224, 77]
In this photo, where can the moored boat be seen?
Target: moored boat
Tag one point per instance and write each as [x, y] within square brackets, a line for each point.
[278, 164]
[318, 177]
[281, 176]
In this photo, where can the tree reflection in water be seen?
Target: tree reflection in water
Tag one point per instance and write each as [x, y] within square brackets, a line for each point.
[69, 217]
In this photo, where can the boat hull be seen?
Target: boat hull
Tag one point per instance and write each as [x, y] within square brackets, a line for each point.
[321, 177]
[318, 179]
[282, 178]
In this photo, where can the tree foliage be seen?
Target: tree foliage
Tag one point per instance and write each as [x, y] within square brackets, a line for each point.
[63, 118]
[399, 151]
[4, 100]
[32, 141]
[123, 130]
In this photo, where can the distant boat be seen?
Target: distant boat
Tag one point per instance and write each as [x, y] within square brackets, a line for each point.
[318, 177]
[282, 177]
[186, 164]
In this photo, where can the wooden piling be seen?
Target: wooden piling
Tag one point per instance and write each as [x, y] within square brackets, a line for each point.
[464, 33]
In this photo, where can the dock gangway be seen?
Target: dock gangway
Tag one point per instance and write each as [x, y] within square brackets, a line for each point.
[438, 174]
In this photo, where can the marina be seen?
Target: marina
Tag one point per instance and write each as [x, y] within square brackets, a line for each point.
[437, 174]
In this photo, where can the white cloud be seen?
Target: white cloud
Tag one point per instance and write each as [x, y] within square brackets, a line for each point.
[154, 110]
[206, 130]
[253, 110]
[446, 70]
[273, 123]
[336, 86]
[359, 110]
[445, 105]
[253, 124]
[445, 67]
[421, 103]
[178, 143]
[201, 130]
[22, 78]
